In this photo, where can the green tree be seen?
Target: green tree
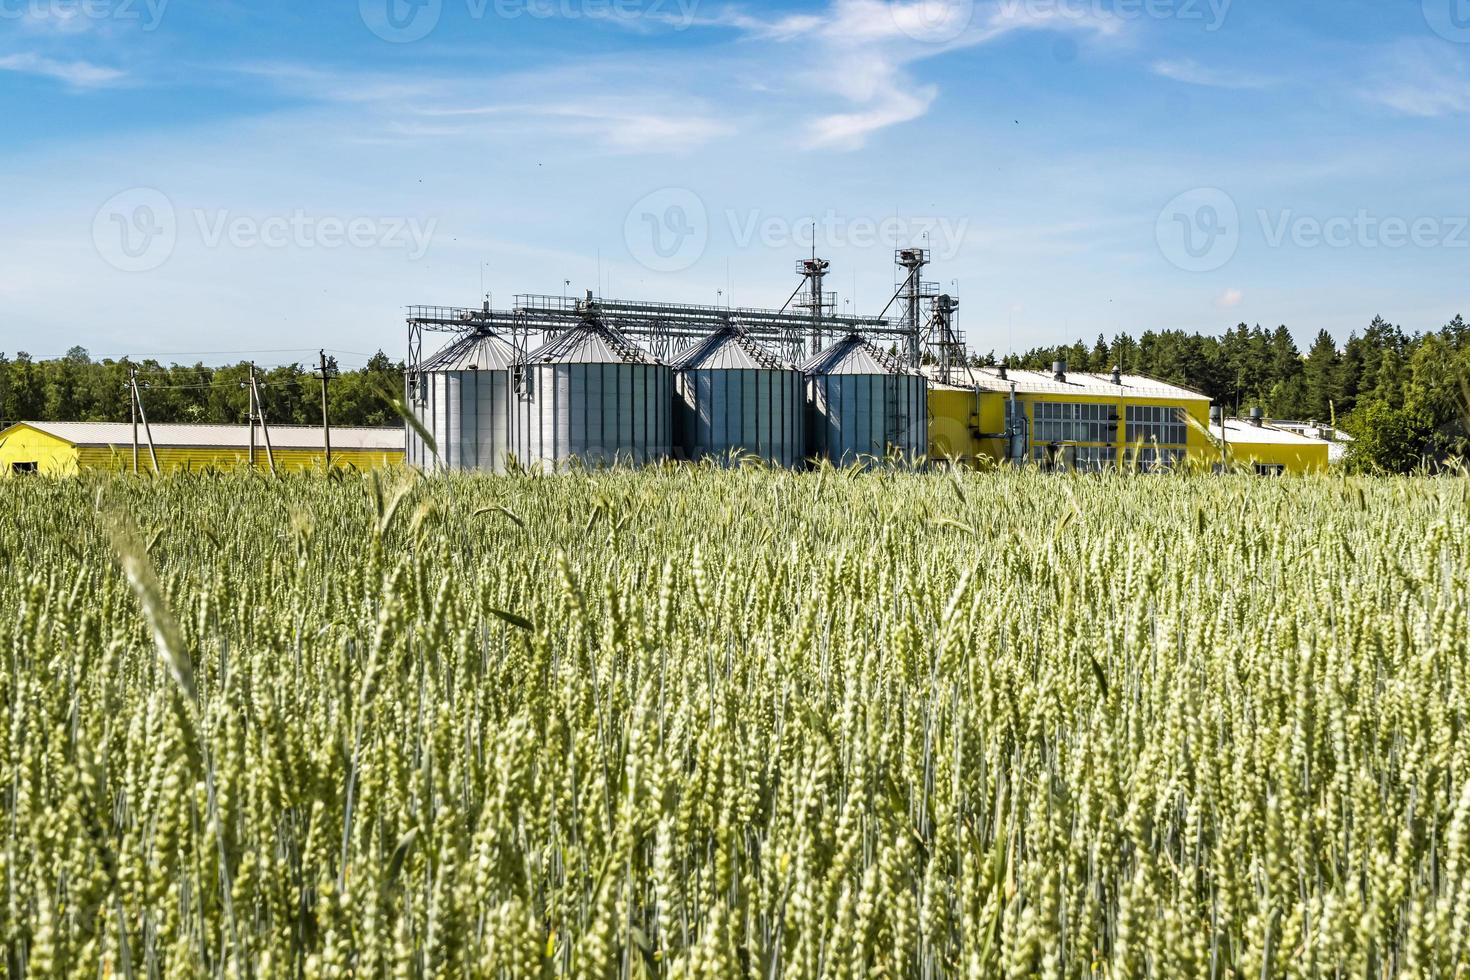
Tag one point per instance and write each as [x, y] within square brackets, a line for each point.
[1320, 376]
[1388, 439]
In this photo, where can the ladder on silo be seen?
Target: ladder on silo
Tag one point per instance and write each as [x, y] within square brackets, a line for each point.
[895, 412]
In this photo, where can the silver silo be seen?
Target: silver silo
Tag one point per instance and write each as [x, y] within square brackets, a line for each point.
[862, 404]
[462, 397]
[590, 395]
[734, 395]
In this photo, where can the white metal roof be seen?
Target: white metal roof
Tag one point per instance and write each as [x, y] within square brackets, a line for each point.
[852, 355]
[222, 436]
[728, 350]
[590, 343]
[1077, 383]
[1243, 432]
[474, 352]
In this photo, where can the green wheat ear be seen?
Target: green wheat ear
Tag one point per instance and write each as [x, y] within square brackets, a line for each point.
[133, 557]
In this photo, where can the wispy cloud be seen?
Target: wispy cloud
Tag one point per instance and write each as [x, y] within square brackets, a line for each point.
[1229, 299]
[620, 125]
[865, 47]
[427, 107]
[1420, 79]
[1191, 72]
[77, 74]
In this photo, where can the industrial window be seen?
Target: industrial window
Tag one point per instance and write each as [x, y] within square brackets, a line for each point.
[1270, 469]
[1154, 459]
[1074, 422]
[24, 468]
[1084, 459]
[1156, 424]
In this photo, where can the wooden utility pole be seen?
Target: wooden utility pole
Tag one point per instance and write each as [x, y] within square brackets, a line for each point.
[140, 412]
[133, 411]
[265, 429]
[326, 418]
[249, 387]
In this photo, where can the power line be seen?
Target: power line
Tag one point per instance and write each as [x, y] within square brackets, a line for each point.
[215, 353]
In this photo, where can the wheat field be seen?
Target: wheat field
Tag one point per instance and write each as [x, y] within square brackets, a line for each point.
[693, 722]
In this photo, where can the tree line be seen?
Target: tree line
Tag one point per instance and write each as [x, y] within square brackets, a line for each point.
[76, 388]
[1405, 398]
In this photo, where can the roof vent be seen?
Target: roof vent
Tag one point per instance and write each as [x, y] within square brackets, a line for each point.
[1257, 416]
[1003, 375]
[1117, 375]
[1059, 371]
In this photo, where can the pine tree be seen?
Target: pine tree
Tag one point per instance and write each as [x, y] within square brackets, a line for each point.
[1323, 391]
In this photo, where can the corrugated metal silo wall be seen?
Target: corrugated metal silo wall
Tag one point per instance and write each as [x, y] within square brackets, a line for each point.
[468, 414]
[756, 411]
[854, 417]
[600, 414]
[480, 430]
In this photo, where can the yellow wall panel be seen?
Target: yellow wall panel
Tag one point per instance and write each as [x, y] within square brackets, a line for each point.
[23, 446]
[173, 459]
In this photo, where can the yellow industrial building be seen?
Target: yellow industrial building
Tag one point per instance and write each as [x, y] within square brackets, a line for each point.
[1269, 449]
[1062, 418]
[1082, 421]
[68, 448]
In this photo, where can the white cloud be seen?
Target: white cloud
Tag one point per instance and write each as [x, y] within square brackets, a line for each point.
[78, 74]
[1190, 72]
[862, 49]
[428, 108]
[1420, 79]
[1229, 299]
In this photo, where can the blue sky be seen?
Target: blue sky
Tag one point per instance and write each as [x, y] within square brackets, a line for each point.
[189, 176]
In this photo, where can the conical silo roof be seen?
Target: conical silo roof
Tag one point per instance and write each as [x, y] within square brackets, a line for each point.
[852, 354]
[590, 343]
[479, 351]
[728, 349]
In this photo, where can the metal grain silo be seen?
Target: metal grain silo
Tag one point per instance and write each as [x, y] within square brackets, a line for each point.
[590, 395]
[862, 404]
[734, 395]
[462, 397]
